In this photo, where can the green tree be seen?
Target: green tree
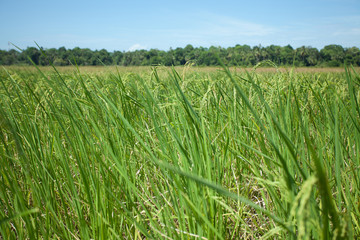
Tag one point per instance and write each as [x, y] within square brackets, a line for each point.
[352, 56]
[312, 57]
[287, 55]
[179, 56]
[33, 54]
[307, 56]
[189, 53]
[9, 57]
[168, 58]
[333, 55]
[273, 53]
[117, 57]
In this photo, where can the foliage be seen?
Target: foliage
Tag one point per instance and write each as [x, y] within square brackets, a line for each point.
[240, 55]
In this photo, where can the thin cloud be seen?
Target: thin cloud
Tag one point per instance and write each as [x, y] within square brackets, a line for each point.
[211, 29]
[136, 47]
[348, 32]
[225, 26]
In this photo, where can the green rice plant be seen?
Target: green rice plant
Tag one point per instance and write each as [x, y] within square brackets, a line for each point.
[170, 155]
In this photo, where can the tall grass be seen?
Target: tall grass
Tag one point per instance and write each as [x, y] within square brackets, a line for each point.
[179, 155]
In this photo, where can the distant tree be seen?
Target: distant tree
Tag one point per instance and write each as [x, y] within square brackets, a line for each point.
[140, 58]
[104, 57]
[287, 54]
[76, 55]
[86, 55]
[307, 56]
[9, 57]
[313, 56]
[63, 55]
[33, 54]
[273, 53]
[301, 55]
[51, 54]
[117, 58]
[179, 56]
[352, 56]
[189, 53]
[257, 52]
[127, 58]
[211, 56]
[240, 55]
[333, 55]
[201, 55]
[168, 58]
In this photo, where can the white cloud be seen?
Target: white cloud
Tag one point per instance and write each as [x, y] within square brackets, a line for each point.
[136, 47]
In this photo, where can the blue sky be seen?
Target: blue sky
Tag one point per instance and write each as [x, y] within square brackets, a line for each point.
[131, 25]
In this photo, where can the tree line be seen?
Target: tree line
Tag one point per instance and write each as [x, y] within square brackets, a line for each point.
[239, 55]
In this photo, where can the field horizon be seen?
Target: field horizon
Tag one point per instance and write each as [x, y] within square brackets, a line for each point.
[138, 69]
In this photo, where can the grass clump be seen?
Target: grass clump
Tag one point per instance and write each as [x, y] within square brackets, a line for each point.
[179, 155]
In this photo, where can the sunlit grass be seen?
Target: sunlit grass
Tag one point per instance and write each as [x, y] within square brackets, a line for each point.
[179, 153]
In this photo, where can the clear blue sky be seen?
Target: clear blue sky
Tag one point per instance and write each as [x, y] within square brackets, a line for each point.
[130, 25]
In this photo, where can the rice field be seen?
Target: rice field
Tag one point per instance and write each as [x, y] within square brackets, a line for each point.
[179, 153]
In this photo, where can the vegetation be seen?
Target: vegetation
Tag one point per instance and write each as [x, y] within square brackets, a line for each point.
[240, 55]
[179, 155]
